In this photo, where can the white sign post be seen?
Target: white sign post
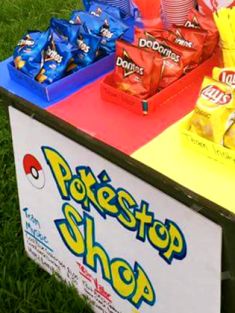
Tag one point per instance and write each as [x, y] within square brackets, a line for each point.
[124, 244]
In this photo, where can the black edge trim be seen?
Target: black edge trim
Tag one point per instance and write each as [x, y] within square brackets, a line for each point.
[138, 169]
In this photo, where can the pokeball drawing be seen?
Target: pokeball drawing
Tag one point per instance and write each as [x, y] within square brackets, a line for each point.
[34, 172]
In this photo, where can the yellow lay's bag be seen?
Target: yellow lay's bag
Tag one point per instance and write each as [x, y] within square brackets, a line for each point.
[215, 110]
[225, 75]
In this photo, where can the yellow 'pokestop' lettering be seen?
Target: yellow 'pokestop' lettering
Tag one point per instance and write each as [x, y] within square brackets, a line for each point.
[130, 284]
[96, 191]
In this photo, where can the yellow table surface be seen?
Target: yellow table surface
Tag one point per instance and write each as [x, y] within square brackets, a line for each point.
[193, 170]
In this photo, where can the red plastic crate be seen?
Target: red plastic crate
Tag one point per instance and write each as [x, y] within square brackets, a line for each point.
[195, 77]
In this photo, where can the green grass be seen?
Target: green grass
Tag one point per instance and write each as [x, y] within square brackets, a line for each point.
[24, 287]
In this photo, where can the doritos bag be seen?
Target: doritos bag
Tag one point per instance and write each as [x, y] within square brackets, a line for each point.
[56, 59]
[137, 71]
[85, 48]
[99, 9]
[109, 28]
[189, 37]
[197, 20]
[91, 23]
[156, 33]
[177, 60]
[28, 54]
[67, 31]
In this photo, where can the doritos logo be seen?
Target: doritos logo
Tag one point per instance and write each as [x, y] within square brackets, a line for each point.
[228, 77]
[216, 95]
[52, 55]
[27, 41]
[192, 24]
[181, 41]
[156, 46]
[106, 33]
[83, 46]
[129, 65]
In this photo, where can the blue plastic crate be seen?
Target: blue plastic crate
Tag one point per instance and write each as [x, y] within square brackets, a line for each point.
[75, 81]
[67, 84]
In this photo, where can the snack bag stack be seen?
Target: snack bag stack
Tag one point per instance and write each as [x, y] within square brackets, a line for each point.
[68, 46]
[176, 52]
[225, 21]
[214, 114]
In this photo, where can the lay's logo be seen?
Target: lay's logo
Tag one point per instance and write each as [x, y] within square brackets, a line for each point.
[216, 95]
[228, 77]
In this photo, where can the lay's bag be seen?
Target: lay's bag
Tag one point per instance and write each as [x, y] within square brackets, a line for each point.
[225, 75]
[214, 112]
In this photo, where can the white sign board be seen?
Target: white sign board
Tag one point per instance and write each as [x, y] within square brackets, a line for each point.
[124, 244]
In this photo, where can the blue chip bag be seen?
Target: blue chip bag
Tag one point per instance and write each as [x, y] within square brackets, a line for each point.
[109, 28]
[72, 67]
[86, 48]
[28, 54]
[65, 30]
[56, 59]
[91, 24]
[111, 31]
[98, 9]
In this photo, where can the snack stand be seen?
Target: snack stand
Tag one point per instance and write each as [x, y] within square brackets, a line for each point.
[126, 207]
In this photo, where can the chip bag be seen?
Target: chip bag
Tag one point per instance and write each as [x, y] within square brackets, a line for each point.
[225, 75]
[28, 54]
[156, 33]
[111, 31]
[99, 10]
[189, 37]
[177, 60]
[91, 23]
[113, 28]
[107, 27]
[65, 30]
[85, 48]
[214, 111]
[137, 71]
[200, 21]
[56, 59]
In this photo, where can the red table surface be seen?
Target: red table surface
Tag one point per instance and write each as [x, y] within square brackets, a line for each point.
[120, 128]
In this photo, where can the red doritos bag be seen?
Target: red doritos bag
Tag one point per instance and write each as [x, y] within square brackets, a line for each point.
[197, 20]
[177, 60]
[157, 33]
[137, 71]
[189, 37]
